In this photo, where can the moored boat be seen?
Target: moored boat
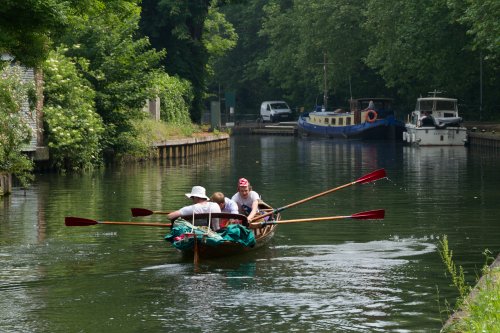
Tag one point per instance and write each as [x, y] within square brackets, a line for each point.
[368, 118]
[435, 122]
[236, 238]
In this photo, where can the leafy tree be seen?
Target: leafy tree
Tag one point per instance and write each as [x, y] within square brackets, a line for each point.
[238, 69]
[121, 67]
[481, 17]
[73, 126]
[177, 26]
[219, 36]
[26, 27]
[175, 98]
[420, 47]
[14, 131]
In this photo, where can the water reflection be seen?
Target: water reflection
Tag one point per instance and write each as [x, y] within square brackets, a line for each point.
[347, 276]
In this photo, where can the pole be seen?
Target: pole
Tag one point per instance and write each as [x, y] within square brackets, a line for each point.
[480, 85]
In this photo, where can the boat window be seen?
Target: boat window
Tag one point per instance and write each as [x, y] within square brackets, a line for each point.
[448, 115]
[445, 105]
[348, 121]
[326, 120]
[341, 121]
[334, 121]
[426, 105]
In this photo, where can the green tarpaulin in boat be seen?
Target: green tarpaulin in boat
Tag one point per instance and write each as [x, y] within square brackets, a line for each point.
[233, 232]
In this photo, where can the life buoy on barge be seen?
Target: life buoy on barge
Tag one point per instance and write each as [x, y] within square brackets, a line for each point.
[371, 116]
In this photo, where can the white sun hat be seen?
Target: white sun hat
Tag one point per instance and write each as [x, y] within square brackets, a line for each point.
[198, 192]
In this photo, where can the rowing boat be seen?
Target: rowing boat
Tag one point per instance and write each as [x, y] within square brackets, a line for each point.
[236, 238]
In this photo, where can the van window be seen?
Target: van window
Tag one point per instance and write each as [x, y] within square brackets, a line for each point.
[279, 106]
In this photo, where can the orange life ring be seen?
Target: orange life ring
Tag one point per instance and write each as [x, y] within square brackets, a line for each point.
[371, 116]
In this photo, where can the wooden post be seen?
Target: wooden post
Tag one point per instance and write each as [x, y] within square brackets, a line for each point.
[5, 183]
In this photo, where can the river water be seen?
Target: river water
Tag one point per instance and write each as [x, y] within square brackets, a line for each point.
[334, 276]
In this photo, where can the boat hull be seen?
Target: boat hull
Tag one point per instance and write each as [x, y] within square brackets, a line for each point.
[381, 129]
[227, 249]
[431, 136]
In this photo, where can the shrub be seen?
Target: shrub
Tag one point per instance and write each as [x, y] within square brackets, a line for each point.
[14, 130]
[74, 128]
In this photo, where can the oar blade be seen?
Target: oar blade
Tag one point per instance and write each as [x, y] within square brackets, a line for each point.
[141, 212]
[378, 214]
[372, 176]
[71, 221]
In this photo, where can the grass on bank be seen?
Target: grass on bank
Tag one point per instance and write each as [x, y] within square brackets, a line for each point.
[480, 309]
[148, 132]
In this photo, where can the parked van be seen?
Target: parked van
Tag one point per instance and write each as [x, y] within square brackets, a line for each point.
[275, 111]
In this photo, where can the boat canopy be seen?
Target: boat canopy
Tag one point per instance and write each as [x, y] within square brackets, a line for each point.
[436, 104]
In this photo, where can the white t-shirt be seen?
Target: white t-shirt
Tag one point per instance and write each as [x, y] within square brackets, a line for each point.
[230, 206]
[202, 208]
[240, 201]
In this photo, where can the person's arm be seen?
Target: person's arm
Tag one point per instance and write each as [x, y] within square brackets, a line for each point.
[255, 208]
[172, 216]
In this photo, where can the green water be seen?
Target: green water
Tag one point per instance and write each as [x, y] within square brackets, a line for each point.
[335, 276]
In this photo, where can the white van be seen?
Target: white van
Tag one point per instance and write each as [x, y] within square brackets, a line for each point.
[275, 111]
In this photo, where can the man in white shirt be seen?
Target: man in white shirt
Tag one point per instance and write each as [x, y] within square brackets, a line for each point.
[200, 205]
[226, 205]
[246, 199]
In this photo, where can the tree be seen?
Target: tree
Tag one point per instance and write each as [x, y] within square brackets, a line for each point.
[73, 126]
[14, 131]
[420, 47]
[26, 27]
[121, 66]
[177, 26]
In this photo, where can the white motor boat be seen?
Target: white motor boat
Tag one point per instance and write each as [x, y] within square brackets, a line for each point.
[435, 122]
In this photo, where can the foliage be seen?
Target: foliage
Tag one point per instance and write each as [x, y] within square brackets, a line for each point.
[149, 131]
[14, 130]
[219, 36]
[121, 68]
[457, 276]
[73, 126]
[26, 26]
[237, 70]
[481, 312]
[175, 97]
[395, 48]
[177, 26]
[482, 22]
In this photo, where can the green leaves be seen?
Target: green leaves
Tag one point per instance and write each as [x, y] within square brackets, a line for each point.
[14, 130]
[74, 128]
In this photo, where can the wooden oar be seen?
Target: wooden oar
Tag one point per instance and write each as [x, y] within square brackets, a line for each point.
[371, 177]
[71, 221]
[145, 212]
[368, 215]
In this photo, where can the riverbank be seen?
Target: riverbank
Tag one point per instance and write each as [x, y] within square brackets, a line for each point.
[481, 309]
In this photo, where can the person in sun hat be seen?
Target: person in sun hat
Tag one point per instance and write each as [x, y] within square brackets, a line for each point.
[200, 205]
[246, 199]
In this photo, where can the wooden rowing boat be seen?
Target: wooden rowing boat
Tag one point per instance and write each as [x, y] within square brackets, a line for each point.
[201, 244]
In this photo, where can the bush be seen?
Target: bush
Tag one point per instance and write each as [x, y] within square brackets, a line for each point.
[14, 130]
[74, 128]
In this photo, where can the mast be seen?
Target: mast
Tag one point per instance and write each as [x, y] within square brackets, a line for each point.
[325, 85]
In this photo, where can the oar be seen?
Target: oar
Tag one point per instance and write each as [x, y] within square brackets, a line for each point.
[71, 221]
[371, 177]
[368, 215]
[145, 212]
